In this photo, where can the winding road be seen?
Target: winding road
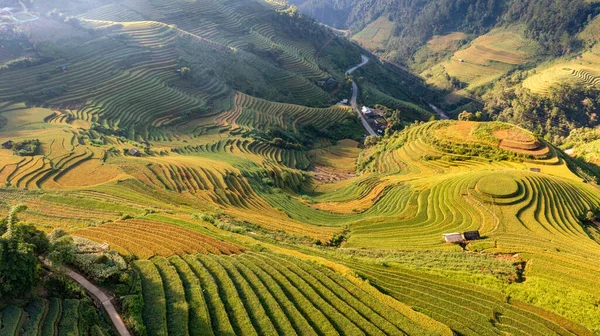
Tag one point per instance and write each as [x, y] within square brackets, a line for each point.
[98, 294]
[439, 112]
[353, 103]
[102, 298]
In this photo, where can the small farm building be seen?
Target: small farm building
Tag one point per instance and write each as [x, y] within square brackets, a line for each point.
[455, 237]
[366, 110]
[472, 235]
[535, 170]
[381, 122]
[135, 152]
[8, 145]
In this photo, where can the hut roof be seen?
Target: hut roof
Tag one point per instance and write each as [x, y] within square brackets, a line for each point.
[454, 237]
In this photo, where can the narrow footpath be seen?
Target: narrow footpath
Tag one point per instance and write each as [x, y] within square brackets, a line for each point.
[103, 298]
[353, 103]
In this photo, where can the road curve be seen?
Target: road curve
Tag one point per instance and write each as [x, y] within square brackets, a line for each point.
[103, 298]
[353, 103]
[439, 112]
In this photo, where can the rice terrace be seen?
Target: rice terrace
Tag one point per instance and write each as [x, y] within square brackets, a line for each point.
[208, 167]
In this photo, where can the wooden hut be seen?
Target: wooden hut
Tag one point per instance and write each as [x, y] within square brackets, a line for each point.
[472, 235]
[135, 152]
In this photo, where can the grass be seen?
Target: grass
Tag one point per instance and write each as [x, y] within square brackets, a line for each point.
[53, 316]
[155, 311]
[69, 320]
[36, 310]
[498, 186]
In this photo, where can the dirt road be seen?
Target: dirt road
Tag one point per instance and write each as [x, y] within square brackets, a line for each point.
[103, 298]
[353, 103]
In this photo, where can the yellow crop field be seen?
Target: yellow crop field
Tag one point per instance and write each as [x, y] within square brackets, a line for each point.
[375, 35]
[440, 43]
[487, 58]
[199, 141]
[584, 69]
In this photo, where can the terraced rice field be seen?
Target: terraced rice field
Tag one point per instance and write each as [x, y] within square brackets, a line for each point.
[266, 294]
[490, 56]
[469, 311]
[375, 36]
[46, 317]
[250, 112]
[584, 70]
[144, 239]
[198, 155]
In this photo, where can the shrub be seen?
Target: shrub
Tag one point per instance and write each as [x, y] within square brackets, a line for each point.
[26, 147]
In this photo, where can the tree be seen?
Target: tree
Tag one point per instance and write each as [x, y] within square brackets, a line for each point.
[185, 72]
[395, 120]
[20, 247]
[466, 116]
[371, 140]
[62, 250]
[590, 216]
[18, 263]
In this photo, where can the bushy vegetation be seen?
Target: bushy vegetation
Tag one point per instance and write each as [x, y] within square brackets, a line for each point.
[18, 258]
[26, 147]
[564, 109]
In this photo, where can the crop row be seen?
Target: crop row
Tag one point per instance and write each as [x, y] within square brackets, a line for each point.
[47, 317]
[260, 294]
[145, 239]
[289, 157]
[469, 311]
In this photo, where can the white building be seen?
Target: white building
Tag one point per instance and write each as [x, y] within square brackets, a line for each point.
[366, 110]
[455, 237]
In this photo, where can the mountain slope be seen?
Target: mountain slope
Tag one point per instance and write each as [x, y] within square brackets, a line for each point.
[197, 139]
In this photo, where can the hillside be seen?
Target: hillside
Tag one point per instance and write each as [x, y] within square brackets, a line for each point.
[189, 158]
[502, 58]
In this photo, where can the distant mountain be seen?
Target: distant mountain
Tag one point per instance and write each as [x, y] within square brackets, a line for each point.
[550, 22]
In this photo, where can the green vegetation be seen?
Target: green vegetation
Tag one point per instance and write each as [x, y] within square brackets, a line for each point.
[26, 148]
[498, 186]
[255, 206]
[52, 316]
[257, 293]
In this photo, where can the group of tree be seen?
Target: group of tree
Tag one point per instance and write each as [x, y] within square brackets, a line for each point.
[21, 246]
[553, 115]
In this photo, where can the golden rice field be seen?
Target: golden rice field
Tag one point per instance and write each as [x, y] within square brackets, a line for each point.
[584, 69]
[486, 58]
